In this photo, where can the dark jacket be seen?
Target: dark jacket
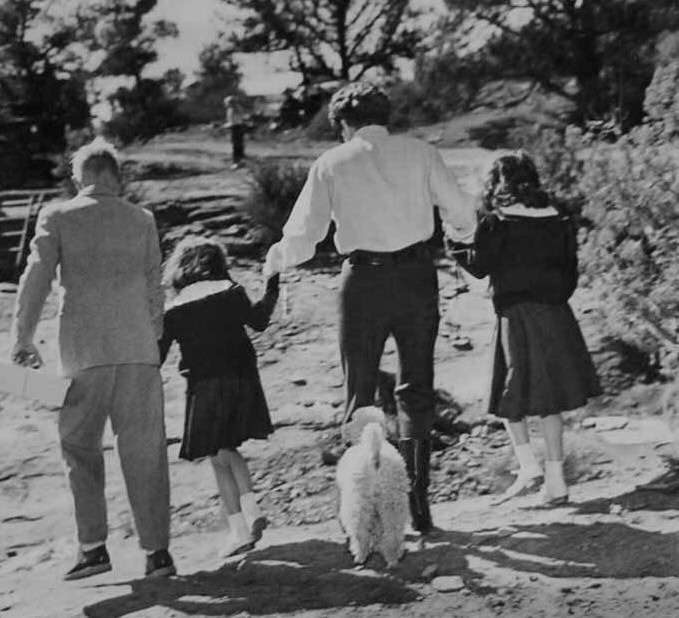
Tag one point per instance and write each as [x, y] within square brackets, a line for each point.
[210, 329]
[526, 258]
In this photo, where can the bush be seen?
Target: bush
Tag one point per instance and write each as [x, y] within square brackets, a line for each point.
[662, 102]
[143, 111]
[319, 128]
[274, 187]
[630, 257]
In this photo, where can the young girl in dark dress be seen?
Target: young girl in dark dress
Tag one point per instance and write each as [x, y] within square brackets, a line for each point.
[225, 403]
[541, 365]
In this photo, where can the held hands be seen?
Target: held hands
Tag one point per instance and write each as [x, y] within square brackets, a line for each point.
[274, 261]
[273, 283]
[26, 355]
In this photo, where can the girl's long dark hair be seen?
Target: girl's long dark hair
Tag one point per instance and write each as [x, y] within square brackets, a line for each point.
[512, 180]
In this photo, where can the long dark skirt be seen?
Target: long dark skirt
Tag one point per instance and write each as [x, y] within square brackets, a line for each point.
[541, 364]
[223, 412]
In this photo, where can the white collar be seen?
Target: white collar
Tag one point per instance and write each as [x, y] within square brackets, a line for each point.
[519, 210]
[200, 290]
[371, 132]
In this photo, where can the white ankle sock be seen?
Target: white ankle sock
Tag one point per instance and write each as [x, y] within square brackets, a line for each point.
[91, 546]
[528, 464]
[239, 529]
[251, 510]
[555, 483]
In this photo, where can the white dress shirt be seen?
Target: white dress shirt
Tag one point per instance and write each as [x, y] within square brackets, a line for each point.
[380, 190]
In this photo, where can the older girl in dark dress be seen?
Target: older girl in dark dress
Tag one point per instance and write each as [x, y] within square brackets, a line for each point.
[225, 403]
[541, 365]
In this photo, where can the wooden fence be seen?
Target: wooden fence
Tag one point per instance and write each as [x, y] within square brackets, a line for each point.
[18, 213]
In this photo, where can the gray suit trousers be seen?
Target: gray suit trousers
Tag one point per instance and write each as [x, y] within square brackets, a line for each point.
[131, 396]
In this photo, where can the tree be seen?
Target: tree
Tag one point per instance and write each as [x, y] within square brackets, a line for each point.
[119, 31]
[330, 39]
[42, 91]
[217, 77]
[606, 46]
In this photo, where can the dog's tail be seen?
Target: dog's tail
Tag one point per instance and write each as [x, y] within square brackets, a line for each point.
[373, 437]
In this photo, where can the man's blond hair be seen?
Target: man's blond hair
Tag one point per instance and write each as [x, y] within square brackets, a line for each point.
[96, 157]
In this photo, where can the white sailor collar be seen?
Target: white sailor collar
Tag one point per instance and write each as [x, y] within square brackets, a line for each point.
[201, 289]
[520, 210]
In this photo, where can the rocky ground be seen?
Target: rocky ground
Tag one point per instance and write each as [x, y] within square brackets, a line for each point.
[613, 552]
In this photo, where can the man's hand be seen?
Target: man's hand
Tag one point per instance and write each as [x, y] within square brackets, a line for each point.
[274, 262]
[26, 355]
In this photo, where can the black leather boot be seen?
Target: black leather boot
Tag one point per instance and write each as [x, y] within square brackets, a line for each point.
[416, 454]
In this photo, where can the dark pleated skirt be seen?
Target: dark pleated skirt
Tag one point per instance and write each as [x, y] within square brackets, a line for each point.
[223, 412]
[541, 364]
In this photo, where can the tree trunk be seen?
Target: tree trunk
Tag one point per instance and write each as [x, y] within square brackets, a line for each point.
[587, 65]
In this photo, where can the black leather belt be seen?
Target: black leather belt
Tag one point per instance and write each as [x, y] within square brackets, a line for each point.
[413, 253]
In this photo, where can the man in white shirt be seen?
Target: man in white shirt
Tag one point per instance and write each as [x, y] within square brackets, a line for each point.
[380, 190]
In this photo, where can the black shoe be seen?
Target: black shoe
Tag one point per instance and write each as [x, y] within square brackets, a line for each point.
[90, 563]
[160, 564]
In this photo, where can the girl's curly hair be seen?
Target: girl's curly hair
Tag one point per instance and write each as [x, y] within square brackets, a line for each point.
[194, 259]
[359, 104]
[514, 179]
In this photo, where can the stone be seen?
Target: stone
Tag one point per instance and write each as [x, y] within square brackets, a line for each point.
[615, 509]
[448, 583]
[430, 572]
[299, 381]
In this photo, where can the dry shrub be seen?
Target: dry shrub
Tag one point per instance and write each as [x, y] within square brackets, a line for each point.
[274, 187]
[630, 257]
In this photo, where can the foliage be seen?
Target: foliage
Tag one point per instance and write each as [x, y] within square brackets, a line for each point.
[330, 39]
[319, 128]
[143, 111]
[631, 255]
[662, 102]
[119, 30]
[38, 98]
[217, 77]
[606, 46]
[274, 187]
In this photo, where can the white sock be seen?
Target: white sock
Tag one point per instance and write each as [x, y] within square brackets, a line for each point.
[91, 546]
[251, 510]
[239, 530]
[528, 464]
[555, 483]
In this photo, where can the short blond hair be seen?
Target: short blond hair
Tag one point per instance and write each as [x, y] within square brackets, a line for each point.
[96, 157]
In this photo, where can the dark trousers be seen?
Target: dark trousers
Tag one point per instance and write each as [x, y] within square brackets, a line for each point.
[399, 300]
[237, 142]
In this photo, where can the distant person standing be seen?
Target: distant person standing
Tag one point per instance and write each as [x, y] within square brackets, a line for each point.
[111, 319]
[235, 122]
[380, 190]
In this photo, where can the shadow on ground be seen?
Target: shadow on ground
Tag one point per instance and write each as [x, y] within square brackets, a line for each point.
[317, 574]
[639, 499]
[282, 579]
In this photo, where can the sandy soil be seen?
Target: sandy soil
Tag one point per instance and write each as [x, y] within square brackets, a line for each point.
[613, 552]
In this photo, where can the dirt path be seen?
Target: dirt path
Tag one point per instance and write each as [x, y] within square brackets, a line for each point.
[613, 553]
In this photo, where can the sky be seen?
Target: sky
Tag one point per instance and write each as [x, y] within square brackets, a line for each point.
[199, 22]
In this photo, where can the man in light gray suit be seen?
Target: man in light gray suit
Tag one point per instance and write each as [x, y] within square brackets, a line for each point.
[108, 258]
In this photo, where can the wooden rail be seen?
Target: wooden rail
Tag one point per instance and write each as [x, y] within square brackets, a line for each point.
[18, 213]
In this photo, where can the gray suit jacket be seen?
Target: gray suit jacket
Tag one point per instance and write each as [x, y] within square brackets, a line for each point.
[108, 258]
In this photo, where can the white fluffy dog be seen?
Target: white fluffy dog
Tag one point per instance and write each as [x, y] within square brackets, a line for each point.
[373, 487]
